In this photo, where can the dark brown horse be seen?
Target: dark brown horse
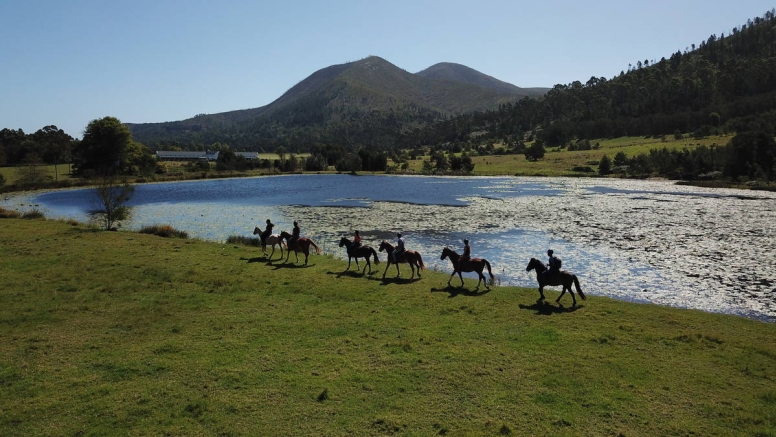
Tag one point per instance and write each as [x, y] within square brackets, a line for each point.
[359, 252]
[272, 240]
[410, 257]
[562, 278]
[472, 265]
[301, 244]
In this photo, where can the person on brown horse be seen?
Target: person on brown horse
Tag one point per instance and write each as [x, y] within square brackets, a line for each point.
[399, 248]
[467, 254]
[294, 235]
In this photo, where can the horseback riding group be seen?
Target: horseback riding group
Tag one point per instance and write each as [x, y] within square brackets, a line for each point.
[549, 274]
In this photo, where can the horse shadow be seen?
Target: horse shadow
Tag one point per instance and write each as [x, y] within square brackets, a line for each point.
[461, 291]
[354, 274]
[289, 265]
[544, 308]
[399, 280]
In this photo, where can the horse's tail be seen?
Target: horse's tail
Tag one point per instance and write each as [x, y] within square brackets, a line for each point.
[579, 289]
[317, 249]
[420, 261]
[487, 264]
[374, 253]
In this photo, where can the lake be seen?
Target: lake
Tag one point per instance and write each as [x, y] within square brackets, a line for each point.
[643, 241]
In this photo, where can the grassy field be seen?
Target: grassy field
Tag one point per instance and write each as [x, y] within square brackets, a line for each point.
[560, 162]
[118, 333]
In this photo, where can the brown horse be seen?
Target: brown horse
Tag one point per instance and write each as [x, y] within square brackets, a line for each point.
[272, 240]
[561, 278]
[472, 265]
[302, 244]
[359, 252]
[410, 257]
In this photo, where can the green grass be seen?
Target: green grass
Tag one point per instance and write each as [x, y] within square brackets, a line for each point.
[53, 172]
[118, 333]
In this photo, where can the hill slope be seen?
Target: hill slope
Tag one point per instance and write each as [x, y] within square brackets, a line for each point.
[462, 74]
[370, 98]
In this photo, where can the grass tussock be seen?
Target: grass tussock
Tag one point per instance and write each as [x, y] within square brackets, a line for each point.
[9, 213]
[165, 231]
[243, 240]
[33, 214]
[115, 333]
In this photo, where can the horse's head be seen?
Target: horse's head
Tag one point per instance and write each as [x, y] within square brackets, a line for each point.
[445, 253]
[285, 235]
[385, 246]
[256, 230]
[344, 241]
[533, 264]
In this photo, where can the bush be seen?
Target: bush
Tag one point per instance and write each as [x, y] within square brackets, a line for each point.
[165, 231]
[9, 213]
[33, 214]
[245, 241]
[583, 169]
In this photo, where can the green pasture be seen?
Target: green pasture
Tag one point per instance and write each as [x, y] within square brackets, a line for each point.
[51, 172]
[120, 333]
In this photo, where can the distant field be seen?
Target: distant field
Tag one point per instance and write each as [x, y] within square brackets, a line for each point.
[55, 172]
[559, 162]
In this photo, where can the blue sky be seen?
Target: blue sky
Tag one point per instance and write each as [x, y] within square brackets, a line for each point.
[67, 62]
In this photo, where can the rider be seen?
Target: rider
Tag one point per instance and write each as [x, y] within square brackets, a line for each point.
[399, 248]
[294, 235]
[553, 265]
[267, 232]
[356, 243]
[467, 253]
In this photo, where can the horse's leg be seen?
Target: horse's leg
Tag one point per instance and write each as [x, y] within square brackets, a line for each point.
[387, 264]
[451, 277]
[368, 264]
[561, 294]
[541, 293]
[460, 276]
[306, 255]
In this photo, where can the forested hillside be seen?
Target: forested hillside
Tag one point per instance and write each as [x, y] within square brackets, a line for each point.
[726, 82]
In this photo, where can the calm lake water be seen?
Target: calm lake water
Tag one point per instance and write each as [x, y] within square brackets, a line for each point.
[645, 241]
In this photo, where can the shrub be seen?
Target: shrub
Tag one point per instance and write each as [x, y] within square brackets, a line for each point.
[245, 241]
[33, 214]
[165, 231]
[9, 213]
[584, 169]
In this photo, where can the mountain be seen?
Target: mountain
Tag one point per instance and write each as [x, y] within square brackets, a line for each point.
[370, 101]
[463, 74]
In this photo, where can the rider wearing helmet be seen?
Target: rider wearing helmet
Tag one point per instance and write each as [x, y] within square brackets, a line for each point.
[553, 265]
[399, 248]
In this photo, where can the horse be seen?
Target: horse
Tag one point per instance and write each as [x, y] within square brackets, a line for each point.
[561, 278]
[410, 257]
[359, 252]
[472, 265]
[272, 240]
[301, 243]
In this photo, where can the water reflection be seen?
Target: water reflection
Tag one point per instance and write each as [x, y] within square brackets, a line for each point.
[648, 241]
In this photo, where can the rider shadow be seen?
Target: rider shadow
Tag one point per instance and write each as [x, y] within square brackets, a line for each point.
[461, 291]
[544, 308]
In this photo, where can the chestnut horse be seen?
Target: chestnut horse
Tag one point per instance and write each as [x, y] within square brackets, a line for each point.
[302, 244]
[359, 252]
[272, 240]
[472, 265]
[562, 278]
[410, 257]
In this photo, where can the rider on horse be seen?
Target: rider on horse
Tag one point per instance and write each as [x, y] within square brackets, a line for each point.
[553, 265]
[267, 232]
[356, 243]
[294, 235]
[467, 253]
[399, 248]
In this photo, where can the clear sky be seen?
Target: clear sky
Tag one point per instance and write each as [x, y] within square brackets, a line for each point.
[68, 62]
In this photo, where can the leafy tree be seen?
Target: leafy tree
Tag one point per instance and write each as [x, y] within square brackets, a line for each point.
[107, 149]
[227, 160]
[349, 163]
[620, 159]
[113, 196]
[535, 152]
[605, 166]
[751, 154]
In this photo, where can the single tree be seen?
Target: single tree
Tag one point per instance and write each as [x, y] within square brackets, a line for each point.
[605, 166]
[112, 195]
